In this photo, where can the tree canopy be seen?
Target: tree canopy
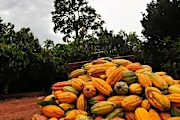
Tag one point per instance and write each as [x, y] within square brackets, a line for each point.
[70, 16]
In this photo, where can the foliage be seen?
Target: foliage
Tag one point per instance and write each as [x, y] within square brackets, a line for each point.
[71, 15]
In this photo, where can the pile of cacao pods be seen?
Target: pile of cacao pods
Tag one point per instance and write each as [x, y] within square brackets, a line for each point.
[113, 89]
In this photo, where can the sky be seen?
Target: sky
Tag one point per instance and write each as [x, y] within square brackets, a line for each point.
[36, 14]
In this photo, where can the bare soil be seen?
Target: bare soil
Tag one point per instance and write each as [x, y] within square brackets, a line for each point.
[19, 109]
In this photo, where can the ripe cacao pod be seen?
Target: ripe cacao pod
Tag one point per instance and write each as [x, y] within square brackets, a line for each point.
[115, 76]
[109, 70]
[81, 103]
[70, 89]
[154, 115]
[131, 102]
[145, 104]
[133, 66]
[130, 115]
[89, 91]
[82, 117]
[174, 89]
[52, 111]
[74, 113]
[135, 88]
[174, 98]
[97, 71]
[77, 72]
[67, 97]
[60, 85]
[144, 80]
[66, 106]
[117, 100]
[164, 115]
[78, 84]
[142, 114]
[102, 86]
[97, 99]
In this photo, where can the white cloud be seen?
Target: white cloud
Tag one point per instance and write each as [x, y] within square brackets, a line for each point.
[36, 14]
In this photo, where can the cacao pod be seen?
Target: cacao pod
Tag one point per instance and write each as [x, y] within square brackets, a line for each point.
[52, 111]
[154, 115]
[174, 98]
[109, 70]
[97, 71]
[66, 106]
[144, 80]
[118, 112]
[97, 99]
[117, 100]
[67, 97]
[89, 91]
[102, 86]
[103, 108]
[115, 76]
[130, 115]
[135, 88]
[142, 114]
[164, 115]
[78, 84]
[82, 117]
[77, 72]
[74, 113]
[129, 77]
[82, 103]
[70, 89]
[145, 104]
[133, 67]
[174, 89]
[131, 102]
[60, 85]
[121, 88]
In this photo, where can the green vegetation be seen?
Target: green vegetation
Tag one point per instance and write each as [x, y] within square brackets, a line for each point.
[26, 66]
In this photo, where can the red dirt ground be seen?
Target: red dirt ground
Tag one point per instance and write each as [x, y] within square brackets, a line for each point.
[19, 109]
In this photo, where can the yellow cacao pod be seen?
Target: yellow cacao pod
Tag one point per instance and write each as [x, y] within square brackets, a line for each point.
[154, 115]
[102, 86]
[78, 84]
[115, 76]
[67, 97]
[174, 118]
[174, 89]
[174, 98]
[142, 114]
[117, 100]
[144, 80]
[74, 113]
[77, 73]
[135, 88]
[157, 99]
[52, 111]
[168, 79]
[82, 103]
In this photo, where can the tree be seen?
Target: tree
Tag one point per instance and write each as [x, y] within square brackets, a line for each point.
[162, 19]
[71, 15]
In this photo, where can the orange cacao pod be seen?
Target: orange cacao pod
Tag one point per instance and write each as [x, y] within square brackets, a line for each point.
[78, 84]
[154, 115]
[130, 115]
[145, 104]
[117, 100]
[89, 91]
[131, 102]
[67, 97]
[142, 114]
[164, 115]
[52, 111]
[133, 66]
[81, 103]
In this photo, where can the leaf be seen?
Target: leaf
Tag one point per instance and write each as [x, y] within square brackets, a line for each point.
[174, 111]
[44, 103]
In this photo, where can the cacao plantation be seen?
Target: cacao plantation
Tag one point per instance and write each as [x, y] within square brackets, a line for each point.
[129, 91]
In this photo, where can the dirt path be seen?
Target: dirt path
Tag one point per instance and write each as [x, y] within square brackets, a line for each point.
[19, 109]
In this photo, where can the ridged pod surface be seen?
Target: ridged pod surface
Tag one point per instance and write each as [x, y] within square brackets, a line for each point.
[142, 114]
[84, 77]
[109, 70]
[102, 86]
[74, 113]
[115, 76]
[145, 104]
[52, 111]
[118, 112]
[131, 102]
[67, 97]
[174, 118]
[168, 79]
[157, 99]
[154, 115]
[60, 85]
[158, 81]
[97, 71]
[77, 72]
[129, 77]
[130, 115]
[89, 91]
[144, 80]
[135, 88]
[82, 117]
[70, 89]
[103, 108]
[81, 103]
[117, 100]
[97, 99]
[164, 115]
[174, 98]
[133, 66]
[78, 84]
[66, 106]
[174, 89]
[121, 88]
[121, 62]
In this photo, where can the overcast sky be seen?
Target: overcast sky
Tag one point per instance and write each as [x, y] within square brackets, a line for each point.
[36, 14]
